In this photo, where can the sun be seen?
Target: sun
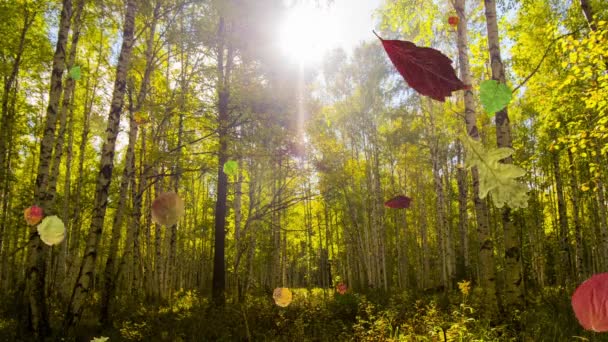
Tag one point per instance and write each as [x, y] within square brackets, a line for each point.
[307, 33]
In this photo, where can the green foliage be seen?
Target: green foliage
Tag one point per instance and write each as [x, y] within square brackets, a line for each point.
[134, 331]
[75, 73]
[494, 176]
[231, 168]
[550, 318]
[494, 96]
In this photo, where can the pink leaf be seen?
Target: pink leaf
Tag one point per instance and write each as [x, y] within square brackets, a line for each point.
[590, 303]
[341, 288]
[33, 215]
[167, 208]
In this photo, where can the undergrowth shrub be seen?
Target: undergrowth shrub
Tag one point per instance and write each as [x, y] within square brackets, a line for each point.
[323, 315]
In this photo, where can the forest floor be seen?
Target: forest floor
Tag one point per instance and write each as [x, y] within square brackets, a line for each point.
[325, 315]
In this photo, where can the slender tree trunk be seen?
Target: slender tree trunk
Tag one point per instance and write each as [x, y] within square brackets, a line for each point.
[238, 195]
[6, 125]
[219, 260]
[276, 270]
[564, 266]
[66, 107]
[425, 275]
[486, 244]
[463, 225]
[110, 271]
[441, 223]
[36, 267]
[603, 219]
[74, 224]
[87, 268]
[513, 296]
[66, 103]
[9, 85]
[131, 258]
[379, 208]
[578, 230]
[177, 172]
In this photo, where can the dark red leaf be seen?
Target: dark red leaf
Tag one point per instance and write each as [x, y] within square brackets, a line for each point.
[398, 202]
[427, 70]
[590, 301]
[453, 20]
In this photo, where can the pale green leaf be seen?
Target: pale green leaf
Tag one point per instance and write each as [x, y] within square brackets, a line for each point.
[51, 230]
[75, 73]
[231, 167]
[494, 96]
[496, 178]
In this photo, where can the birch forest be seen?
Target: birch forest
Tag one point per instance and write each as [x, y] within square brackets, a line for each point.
[258, 170]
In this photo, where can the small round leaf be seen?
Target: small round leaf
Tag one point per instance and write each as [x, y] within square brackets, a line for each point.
[282, 296]
[167, 208]
[341, 288]
[33, 215]
[75, 73]
[51, 230]
[231, 167]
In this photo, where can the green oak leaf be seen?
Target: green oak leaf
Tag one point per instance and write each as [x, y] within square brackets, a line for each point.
[231, 167]
[75, 73]
[496, 178]
[494, 96]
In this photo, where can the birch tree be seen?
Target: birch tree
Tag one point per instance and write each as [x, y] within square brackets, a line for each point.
[84, 281]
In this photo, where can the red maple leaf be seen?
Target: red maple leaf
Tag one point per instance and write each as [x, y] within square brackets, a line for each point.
[427, 70]
[398, 202]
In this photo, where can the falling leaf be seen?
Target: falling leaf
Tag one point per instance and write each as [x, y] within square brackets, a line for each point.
[590, 301]
[494, 96]
[75, 73]
[33, 215]
[167, 208]
[453, 20]
[427, 70]
[51, 230]
[341, 288]
[398, 202]
[496, 177]
[231, 167]
[282, 296]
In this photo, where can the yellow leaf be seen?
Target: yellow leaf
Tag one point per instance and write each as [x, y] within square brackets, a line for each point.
[282, 296]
